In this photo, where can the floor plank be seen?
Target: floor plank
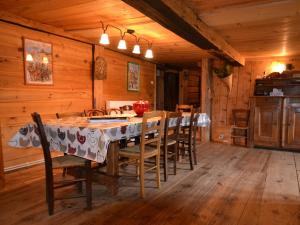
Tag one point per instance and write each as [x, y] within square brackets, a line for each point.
[230, 185]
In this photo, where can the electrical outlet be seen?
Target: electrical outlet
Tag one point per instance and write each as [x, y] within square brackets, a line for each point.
[221, 136]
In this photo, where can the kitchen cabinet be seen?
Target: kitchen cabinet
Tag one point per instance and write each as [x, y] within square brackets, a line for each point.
[291, 129]
[267, 125]
[275, 122]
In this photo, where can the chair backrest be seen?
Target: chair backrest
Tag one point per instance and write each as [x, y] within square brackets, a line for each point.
[184, 108]
[113, 111]
[69, 114]
[171, 131]
[94, 112]
[193, 125]
[153, 122]
[45, 145]
[240, 117]
[126, 109]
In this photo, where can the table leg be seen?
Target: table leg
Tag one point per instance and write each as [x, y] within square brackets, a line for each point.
[113, 159]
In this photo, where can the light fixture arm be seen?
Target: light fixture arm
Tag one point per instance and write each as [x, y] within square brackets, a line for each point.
[136, 38]
[121, 33]
[149, 43]
[103, 27]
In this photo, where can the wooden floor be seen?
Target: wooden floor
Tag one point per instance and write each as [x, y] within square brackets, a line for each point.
[231, 185]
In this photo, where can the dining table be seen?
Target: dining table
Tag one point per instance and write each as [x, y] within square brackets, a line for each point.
[96, 139]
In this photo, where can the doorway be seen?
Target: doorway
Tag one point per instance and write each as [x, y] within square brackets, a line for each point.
[171, 89]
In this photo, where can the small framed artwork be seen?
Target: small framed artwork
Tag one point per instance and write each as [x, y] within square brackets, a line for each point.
[133, 76]
[37, 62]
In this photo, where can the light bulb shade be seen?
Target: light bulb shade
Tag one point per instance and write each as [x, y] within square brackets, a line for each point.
[45, 60]
[122, 44]
[29, 58]
[104, 40]
[149, 54]
[136, 49]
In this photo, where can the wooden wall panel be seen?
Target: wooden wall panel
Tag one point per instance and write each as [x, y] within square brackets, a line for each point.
[190, 87]
[71, 90]
[115, 86]
[224, 101]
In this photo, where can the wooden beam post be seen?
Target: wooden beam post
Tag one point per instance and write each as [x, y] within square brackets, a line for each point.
[2, 179]
[182, 20]
[206, 81]
[98, 100]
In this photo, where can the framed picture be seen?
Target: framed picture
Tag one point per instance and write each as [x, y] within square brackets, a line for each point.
[37, 62]
[133, 76]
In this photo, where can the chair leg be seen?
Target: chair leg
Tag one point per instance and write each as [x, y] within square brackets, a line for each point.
[190, 155]
[194, 150]
[165, 163]
[175, 159]
[88, 186]
[64, 172]
[137, 169]
[158, 170]
[142, 173]
[50, 198]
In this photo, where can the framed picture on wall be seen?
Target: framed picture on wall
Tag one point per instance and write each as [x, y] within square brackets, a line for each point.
[133, 76]
[38, 66]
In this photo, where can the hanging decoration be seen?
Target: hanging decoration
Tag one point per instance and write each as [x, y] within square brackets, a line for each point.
[224, 72]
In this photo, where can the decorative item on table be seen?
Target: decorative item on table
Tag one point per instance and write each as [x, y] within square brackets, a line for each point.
[140, 107]
[276, 92]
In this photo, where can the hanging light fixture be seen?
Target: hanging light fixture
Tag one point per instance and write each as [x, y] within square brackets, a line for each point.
[136, 49]
[122, 43]
[149, 53]
[104, 39]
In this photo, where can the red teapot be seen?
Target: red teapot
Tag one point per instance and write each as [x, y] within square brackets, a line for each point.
[140, 107]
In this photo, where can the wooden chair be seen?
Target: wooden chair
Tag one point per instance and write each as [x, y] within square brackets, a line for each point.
[240, 127]
[170, 140]
[187, 141]
[113, 111]
[184, 108]
[137, 154]
[94, 112]
[69, 114]
[66, 161]
[66, 115]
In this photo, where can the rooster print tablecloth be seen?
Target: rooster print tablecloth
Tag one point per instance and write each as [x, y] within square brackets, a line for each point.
[78, 137]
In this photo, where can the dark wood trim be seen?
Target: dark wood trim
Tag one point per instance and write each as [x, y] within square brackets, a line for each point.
[180, 19]
[93, 77]
[2, 178]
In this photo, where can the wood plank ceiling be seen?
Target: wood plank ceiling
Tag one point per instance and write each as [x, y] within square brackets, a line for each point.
[254, 28]
[82, 17]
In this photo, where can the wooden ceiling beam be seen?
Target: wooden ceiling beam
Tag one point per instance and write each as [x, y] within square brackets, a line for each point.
[179, 18]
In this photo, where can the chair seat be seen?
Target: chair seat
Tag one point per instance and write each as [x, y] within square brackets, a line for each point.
[170, 142]
[237, 127]
[183, 137]
[134, 151]
[67, 161]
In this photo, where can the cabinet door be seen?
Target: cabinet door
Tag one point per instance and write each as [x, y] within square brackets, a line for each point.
[292, 138]
[267, 122]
